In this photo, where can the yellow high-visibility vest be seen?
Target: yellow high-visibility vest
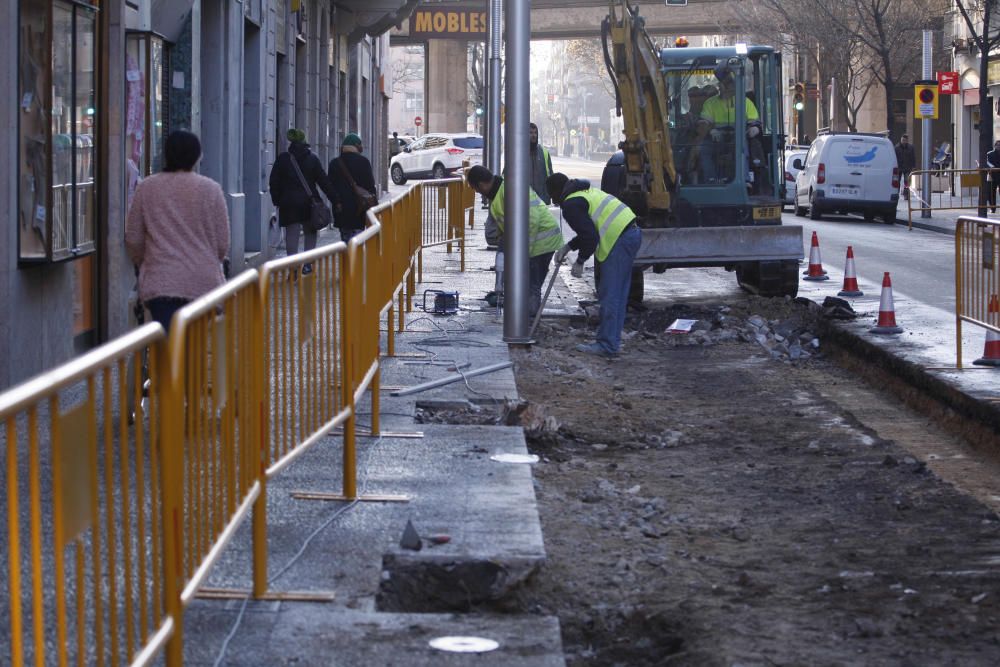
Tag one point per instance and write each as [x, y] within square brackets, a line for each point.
[543, 230]
[610, 215]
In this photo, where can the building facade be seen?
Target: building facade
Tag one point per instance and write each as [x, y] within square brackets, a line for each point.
[97, 85]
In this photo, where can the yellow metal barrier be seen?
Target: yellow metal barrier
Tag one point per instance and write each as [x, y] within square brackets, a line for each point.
[944, 194]
[213, 405]
[85, 523]
[977, 244]
[142, 505]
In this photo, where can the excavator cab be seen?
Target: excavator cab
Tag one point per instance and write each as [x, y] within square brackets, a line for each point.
[724, 130]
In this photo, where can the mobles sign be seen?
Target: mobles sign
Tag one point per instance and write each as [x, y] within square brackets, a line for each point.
[448, 23]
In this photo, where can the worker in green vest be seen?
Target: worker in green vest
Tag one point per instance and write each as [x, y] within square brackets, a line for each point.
[605, 228]
[541, 164]
[544, 236]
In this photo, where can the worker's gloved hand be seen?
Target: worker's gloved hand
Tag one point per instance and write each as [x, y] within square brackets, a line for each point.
[753, 131]
[561, 254]
[577, 270]
[716, 134]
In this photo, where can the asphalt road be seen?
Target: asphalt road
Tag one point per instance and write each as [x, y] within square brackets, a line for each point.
[921, 262]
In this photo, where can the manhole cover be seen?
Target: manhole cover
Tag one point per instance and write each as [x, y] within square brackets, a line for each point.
[514, 458]
[464, 644]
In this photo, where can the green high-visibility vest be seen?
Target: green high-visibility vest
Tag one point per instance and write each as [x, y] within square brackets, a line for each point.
[543, 230]
[610, 215]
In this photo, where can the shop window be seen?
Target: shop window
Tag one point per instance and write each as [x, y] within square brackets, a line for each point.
[57, 130]
[147, 67]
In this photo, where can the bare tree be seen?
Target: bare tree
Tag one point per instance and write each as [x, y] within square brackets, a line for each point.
[830, 49]
[980, 17]
[404, 71]
[890, 32]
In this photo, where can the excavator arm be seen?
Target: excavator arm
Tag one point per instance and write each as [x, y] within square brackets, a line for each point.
[633, 63]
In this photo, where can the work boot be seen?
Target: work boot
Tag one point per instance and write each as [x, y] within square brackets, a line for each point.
[596, 350]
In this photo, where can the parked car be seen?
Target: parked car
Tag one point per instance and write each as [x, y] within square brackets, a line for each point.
[848, 173]
[792, 153]
[436, 156]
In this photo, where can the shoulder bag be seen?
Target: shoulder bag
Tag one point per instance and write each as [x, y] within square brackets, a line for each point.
[320, 216]
[365, 199]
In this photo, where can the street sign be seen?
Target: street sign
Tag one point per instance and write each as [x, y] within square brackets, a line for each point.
[417, 121]
[676, 3]
[925, 100]
[947, 83]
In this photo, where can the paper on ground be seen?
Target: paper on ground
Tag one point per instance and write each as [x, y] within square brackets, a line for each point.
[681, 326]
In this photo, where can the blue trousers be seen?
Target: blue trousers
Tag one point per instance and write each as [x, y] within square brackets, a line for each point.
[613, 288]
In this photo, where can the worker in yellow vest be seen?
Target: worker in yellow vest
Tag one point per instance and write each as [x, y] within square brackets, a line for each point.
[544, 236]
[605, 227]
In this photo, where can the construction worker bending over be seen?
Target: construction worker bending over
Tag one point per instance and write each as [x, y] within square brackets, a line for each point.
[605, 227]
[544, 237]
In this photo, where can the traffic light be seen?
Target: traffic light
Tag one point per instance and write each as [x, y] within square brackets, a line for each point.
[479, 111]
[799, 96]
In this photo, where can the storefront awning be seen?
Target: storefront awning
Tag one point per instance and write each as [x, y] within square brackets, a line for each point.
[169, 17]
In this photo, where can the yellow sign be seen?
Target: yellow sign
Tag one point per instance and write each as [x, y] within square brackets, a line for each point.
[925, 101]
[766, 212]
[448, 23]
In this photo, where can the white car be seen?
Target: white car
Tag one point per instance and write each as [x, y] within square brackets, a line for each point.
[436, 156]
[848, 173]
[792, 154]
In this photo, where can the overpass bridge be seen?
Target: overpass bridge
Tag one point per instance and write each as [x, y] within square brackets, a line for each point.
[447, 27]
[551, 20]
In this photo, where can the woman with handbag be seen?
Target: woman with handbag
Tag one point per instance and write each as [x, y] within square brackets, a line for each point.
[292, 184]
[354, 183]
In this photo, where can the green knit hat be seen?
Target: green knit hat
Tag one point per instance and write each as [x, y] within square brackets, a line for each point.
[296, 135]
[352, 139]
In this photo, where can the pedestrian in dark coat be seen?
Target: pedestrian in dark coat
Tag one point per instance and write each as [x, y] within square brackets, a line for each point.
[293, 202]
[350, 217]
[906, 160]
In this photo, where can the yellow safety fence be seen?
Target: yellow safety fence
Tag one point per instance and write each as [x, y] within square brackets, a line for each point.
[131, 468]
[977, 244]
[950, 189]
[84, 553]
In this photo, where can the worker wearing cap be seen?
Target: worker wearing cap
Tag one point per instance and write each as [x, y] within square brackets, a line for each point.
[717, 113]
[605, 227]
[544, 236]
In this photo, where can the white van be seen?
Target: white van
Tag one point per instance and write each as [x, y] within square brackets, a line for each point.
[849, 173]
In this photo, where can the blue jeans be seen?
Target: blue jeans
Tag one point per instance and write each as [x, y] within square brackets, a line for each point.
[162, 309]
[612, 290]
[538, 268]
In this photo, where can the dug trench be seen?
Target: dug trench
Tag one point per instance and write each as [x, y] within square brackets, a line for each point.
[738, 495]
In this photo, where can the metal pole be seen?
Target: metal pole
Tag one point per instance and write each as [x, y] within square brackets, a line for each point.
[515, 320]
[925, 134]
[493, 86]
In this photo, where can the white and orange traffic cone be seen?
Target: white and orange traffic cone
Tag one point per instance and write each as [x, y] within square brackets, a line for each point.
[991, 355]
[815, 271]
[886, 311]
[850, 278]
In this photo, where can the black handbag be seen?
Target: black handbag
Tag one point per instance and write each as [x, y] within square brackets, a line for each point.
[320, 216]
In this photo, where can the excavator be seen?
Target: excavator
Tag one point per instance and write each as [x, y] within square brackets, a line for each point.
[702, 171]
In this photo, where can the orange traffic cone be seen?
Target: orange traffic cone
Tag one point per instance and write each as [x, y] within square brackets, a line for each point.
[815, 271]
[991, 355]
[886, 311]
[850, 279]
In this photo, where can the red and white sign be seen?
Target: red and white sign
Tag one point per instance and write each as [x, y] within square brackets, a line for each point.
[947, 83]
[417, 121]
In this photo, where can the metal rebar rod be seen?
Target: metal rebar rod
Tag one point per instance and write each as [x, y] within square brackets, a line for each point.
[449, 379]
